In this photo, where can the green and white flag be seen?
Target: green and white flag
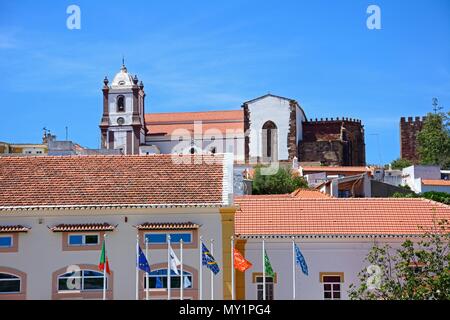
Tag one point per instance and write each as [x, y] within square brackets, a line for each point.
[267, 266]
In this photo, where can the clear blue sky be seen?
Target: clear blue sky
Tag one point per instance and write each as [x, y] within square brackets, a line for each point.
[206, 55]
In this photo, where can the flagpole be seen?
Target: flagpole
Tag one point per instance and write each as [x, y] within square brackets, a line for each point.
[200, 280]
[181, 267]
[137, 267]
[168, 267]
[212, 273]
[264, 268]
[232, 269]
[293, 268]
[104, 269]
[146, 273]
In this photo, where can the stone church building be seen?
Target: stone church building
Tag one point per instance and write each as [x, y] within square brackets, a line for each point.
[265, 129]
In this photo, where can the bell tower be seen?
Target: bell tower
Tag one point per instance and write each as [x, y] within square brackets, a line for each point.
[123, 126]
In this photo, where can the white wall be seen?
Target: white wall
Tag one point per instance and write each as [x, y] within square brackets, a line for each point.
[335, 255]
[223, 145]
[40, 250]
[114, 115]
[266, 109]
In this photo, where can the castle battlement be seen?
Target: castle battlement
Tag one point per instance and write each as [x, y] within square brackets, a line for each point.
[412, 119]
[335, 120]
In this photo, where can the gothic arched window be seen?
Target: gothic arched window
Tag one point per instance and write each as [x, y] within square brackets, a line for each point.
[120, 104]
[269, 141]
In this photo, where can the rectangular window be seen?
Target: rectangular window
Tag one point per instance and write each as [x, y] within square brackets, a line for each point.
[83, 239]
[6, 241]
[331, 287]
[269, 288]
[161, 238]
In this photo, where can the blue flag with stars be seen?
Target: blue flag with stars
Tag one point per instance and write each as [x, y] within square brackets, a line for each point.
[142, 261]
[301, 260]
[208, 260]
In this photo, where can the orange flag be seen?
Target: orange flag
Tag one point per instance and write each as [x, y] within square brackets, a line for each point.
[239, 261]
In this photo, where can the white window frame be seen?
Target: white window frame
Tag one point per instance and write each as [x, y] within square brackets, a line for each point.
[8, 236]
[83, 241]
[82, 277]
[18, 278]
[186, 273]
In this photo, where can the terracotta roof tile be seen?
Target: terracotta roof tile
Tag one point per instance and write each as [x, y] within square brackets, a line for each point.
[298, 194]
[167, 123]
[335, 170]
[110, 180]
[16, 228]
[436, 182]
[168, 226]
[83, 227]
[309, 194]
[365, 216]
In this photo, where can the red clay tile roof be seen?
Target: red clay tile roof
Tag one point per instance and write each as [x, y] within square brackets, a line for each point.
[110, 180]
[335, 217]
[309, 194]
[297, 194]
[83, 227]
[436, 182]
[167, 123]
[335, 170]
[168, 226]
[17, 228]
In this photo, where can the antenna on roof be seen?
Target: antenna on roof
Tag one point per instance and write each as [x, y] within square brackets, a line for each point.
[435, 105]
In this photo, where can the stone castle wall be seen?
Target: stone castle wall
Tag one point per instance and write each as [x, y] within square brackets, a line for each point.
[333, 142]
[409, 129]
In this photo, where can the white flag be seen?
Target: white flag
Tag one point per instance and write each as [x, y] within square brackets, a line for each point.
[174, 262]
[187, 283]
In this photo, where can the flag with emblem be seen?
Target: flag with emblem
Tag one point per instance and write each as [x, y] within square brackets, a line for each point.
[142, 261]
[103, 265]
[208, 260]
[240, 263]
[267, 266]
[301, 260]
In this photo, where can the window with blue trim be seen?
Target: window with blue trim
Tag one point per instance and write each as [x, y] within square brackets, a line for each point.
[161, 238]
[6, 241]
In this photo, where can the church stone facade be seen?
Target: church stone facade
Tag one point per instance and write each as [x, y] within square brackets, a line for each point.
[266, 129]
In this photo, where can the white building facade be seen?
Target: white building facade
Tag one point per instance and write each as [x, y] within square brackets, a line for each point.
[51, 236]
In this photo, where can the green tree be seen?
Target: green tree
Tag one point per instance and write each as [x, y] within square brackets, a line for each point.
[443, 197]
[415, 271]
[434, 140]
[400, 163]
[283, 181]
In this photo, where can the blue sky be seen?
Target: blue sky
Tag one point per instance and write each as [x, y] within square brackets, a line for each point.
[211, 55]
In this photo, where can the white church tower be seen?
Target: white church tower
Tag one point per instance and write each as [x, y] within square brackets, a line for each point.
[123, 126]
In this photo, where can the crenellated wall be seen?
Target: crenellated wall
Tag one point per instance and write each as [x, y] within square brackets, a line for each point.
[409, 129]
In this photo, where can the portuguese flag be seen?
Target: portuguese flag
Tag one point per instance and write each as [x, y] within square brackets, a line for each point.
[104, 260]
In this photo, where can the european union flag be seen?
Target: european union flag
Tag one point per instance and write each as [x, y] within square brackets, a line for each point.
[142, 261]
[301, 260]
[208, 260]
